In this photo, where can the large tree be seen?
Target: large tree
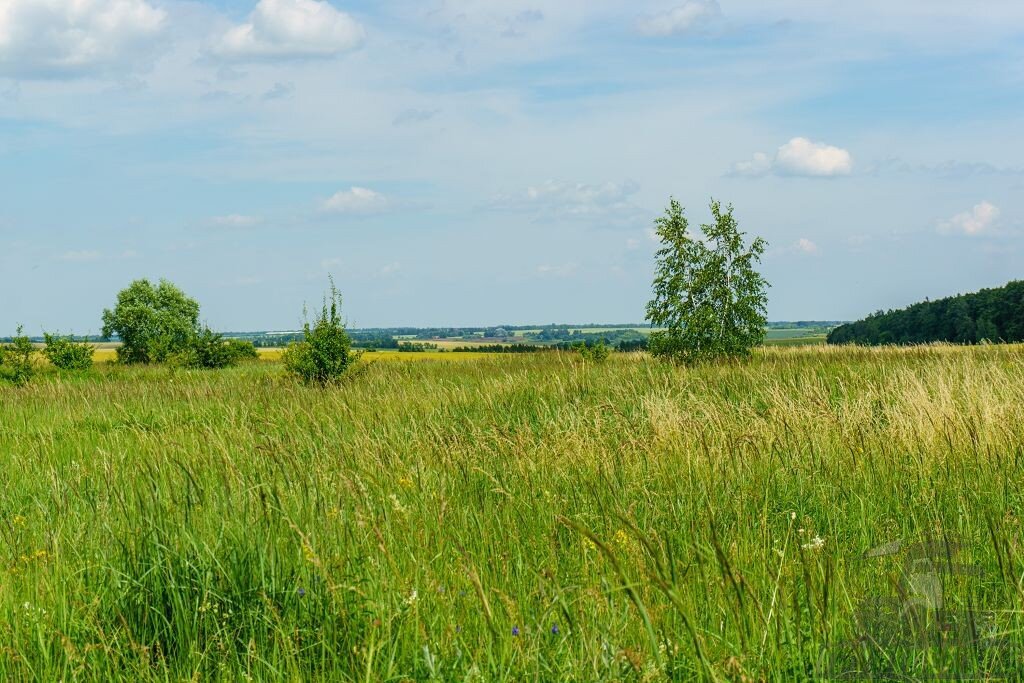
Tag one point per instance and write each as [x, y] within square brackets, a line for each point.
[152, 322]
[708, 295]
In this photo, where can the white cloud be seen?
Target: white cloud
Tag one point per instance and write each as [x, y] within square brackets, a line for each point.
[806, 246]
[356, 200]
[798, 157]
[561, 270]
[65, 38]
[978, 220]
[234, 220]
[680, 20]
[291, 29]
[573, 200]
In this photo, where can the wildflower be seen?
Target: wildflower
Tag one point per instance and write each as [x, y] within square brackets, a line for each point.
[397, 504]
[515, 630]
[554, 629]
[816, 543]
[405, 483]
[301, 592]
[413, 597]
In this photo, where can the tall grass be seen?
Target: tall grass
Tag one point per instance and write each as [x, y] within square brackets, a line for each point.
[525, 517]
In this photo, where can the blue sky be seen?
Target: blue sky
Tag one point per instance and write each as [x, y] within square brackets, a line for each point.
[458, 162]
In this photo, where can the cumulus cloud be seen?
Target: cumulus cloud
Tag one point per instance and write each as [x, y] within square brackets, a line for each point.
[357, 200]
[798, 157]
[69, 38]
[291, 29]
[573, 200]
[680, 20]
[977, 221]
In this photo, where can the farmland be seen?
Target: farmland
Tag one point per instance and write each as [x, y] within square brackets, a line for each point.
[521, 517]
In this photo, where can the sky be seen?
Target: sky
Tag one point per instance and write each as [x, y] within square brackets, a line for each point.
[480, 162]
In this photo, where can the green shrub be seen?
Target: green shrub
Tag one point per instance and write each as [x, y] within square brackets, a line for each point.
[596, 353]
[325, 353]
[16, 364]
[209, 350]
[66, 354]
[242, 349]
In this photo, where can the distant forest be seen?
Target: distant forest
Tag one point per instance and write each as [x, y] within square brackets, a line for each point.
[995, 315]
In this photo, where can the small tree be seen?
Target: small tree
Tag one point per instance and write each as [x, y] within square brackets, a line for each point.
[67, 354]
[153, 322]
[16, 359]
[707, 293]
[324, 354]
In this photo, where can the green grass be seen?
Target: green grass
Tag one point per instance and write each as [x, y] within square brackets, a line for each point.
[162, 525]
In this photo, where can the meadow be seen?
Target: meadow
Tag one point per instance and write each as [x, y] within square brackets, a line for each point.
[519, 517]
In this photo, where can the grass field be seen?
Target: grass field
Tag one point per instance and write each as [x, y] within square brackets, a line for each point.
[523, 517]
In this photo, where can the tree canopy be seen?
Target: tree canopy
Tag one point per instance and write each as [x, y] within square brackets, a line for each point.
[153, 322]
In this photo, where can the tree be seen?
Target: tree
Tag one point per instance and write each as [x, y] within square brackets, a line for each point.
[325, 352]
[152, 322]
[707, 293]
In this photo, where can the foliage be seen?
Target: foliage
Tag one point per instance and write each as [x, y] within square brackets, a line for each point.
[993, 315]
[242, 349]
[67, 354]
[210, 351]
[593, 353]
[16, 365]
[638, 522]
[707, 293]
[153, 322]
[325, 352]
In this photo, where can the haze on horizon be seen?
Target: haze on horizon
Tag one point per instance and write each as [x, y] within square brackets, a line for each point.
[472, 162]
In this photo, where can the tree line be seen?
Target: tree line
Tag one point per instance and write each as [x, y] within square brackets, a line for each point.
[990, 315]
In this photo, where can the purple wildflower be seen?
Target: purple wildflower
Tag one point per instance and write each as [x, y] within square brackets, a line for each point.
[515, 630]
[554, 629]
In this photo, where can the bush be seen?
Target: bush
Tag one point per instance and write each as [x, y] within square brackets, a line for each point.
[242, 349]
[596, 353]
[66, 354]
[324, 354]
[209, 350]
[16, 360]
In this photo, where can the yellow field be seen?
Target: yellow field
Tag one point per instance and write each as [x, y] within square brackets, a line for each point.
[109, 355]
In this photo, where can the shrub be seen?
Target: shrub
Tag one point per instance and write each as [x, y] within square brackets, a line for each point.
[153, 322]
[324, 354]
[66, 354]
[209, 350]
[596, 353]
[16, 364]
[242, 349]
